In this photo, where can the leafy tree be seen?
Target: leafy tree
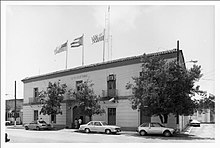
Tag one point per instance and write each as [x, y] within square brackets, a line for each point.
[52, 97]
[87, 101]
[207, 101]
[164, 87]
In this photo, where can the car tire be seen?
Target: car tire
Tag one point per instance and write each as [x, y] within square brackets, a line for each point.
[167, 133]
[87, 130]
[38, 128]
[26, 128]
[108, 131]
[142, 133]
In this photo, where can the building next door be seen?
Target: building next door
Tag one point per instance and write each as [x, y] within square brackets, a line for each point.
[112, 116]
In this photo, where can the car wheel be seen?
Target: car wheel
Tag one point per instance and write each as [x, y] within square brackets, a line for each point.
[142, 133]
[87, 130]
[167, 133]
[108, 131]
[38, 128]
[26, 127]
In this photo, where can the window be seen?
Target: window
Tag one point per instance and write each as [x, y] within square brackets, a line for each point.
[35, 115]
[35, 92]
[91, 123]
[97, 124]
[78, 85]
[111, 85]
[53, 118]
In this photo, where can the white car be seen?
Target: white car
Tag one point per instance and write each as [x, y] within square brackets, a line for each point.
[194, 123]
[99, 126]
[155, 128]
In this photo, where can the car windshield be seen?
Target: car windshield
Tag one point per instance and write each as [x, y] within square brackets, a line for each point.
[144, 125]
[104, 123]
[42, 122]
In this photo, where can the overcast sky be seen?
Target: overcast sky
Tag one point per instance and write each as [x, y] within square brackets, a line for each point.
[34, 31]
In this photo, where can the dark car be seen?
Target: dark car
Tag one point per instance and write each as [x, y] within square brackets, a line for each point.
[37, 125]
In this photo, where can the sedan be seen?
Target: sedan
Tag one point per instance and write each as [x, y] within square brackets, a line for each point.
[194, 123]
[38, 125]
[155, 128]
[99, 126]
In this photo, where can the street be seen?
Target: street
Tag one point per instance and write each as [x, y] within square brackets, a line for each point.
[203, 134]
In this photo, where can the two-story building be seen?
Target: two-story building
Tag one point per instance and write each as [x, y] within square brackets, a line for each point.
[109, 79]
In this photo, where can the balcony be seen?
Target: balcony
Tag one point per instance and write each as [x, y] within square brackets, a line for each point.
[35, 100]
[109, 93]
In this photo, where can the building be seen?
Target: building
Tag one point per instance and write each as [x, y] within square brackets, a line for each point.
[109, 78]
[10, 110]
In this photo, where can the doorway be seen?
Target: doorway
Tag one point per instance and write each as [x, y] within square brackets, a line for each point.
[112, 116]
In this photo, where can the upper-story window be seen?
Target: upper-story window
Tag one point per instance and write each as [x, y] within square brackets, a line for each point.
[36, 92]
[111, 82]
[78, 85]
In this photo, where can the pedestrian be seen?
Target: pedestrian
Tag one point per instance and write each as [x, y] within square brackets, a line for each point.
[76, 123]
[80, 121]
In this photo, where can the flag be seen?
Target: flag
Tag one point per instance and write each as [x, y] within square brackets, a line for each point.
[98, 37]
[77, 42]
[61, 48]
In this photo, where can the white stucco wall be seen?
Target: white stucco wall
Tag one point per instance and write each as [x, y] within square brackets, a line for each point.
[28, 114]
[125, 115]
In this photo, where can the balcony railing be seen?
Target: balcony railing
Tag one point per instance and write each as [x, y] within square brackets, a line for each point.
[109, 93]
[35, 100]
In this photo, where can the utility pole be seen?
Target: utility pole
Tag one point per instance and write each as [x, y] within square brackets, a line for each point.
[177, 57]
[178, 50]
[15, 106]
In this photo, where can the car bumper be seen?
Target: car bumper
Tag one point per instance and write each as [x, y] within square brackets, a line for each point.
[116, 130]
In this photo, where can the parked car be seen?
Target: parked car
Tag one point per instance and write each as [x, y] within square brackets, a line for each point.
[99, 126]
[38, 125]
[194, 123]
[155, 128]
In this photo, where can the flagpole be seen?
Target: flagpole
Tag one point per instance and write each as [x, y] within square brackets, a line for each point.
[83, 51]
[66, 54]
[104, 47]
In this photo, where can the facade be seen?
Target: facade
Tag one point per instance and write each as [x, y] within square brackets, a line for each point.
[109, 79]
[10, 110]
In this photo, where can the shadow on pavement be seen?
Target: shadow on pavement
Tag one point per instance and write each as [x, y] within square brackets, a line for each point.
[174, 137]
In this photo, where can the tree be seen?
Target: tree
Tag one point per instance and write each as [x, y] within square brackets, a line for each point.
[52, 97]
[206, 102]
[164, 87]
[87, 101]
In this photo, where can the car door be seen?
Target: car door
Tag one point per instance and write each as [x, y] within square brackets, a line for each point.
[91, 126]
[98, 127]
[156, 128]
[32, 125]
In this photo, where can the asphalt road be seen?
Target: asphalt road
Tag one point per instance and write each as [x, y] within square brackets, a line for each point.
[203, 134]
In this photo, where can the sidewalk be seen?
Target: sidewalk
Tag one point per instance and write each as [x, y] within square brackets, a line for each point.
[187, 130]
[15, 127]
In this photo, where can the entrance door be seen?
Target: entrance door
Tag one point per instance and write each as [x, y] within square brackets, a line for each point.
[35, 115]
[112, 116]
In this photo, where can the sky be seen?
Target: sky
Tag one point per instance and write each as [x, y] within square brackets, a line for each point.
[32, 32]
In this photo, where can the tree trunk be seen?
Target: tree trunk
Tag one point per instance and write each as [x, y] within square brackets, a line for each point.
[165, 118]
[161, 118]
